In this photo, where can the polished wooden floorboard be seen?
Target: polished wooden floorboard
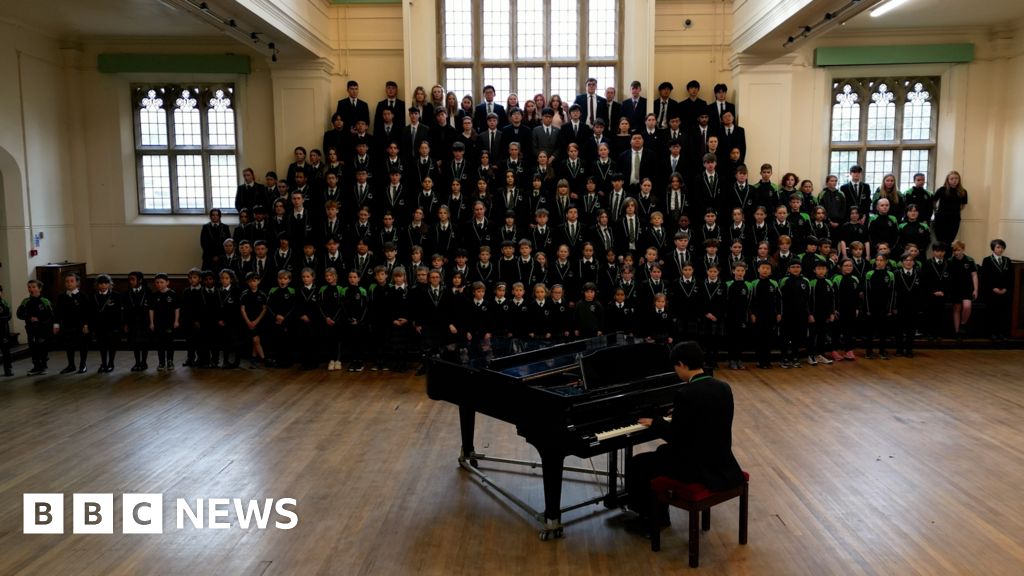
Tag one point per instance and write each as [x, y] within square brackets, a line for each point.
[882, 467]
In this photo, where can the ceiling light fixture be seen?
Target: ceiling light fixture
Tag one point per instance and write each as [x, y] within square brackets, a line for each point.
[887, 7]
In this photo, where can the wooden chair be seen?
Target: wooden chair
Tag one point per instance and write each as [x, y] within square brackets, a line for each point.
[697, 500]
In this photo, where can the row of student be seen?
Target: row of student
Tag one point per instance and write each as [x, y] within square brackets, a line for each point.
[823, 313]
[639, 227]
[352, 111]
[305, 212]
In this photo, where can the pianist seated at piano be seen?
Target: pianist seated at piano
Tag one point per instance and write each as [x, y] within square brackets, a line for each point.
[698, 437]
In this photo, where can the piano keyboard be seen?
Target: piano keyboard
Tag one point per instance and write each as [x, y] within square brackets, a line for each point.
[624, 431]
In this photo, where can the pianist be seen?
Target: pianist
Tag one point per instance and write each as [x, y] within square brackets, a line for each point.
[699, 436]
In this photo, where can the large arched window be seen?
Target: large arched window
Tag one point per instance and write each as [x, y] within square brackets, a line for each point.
[530, 46]
[888, 125]
[186, 160]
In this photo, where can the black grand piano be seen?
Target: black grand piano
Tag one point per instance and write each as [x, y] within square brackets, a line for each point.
[579, 398]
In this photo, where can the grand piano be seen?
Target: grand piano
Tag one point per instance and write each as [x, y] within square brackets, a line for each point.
[580, 398]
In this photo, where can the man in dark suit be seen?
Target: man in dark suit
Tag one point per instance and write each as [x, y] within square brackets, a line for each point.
[634, 108]
[614, 109]
[574, 131]
[413, 134]
[516, 131]
[693, 106]
[545, 136]
[486, 107]
[637, 163]
[719, 107]
[665, 108]
[591, 105]
[699, 437]
[697, 142]
[352, 109]
[390, 102]
[490, 139]
[731, 136]
[442, 136]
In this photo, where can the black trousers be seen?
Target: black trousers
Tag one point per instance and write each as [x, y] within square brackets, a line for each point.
[844, 330]
[75, 341]
[107, 339]
[878, 329]
[38, 346]
[794, 331]
[820, 331]
[906, 329]
[356, 336]
[138, 339]
[764, 334]
[5, 351]
[736, 332]
[163, 338]
[997, 314]
[710, 338]
[640, 470]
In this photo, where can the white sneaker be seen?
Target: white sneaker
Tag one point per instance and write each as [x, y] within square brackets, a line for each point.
[812, 361]
[822, 359]
[332, 365]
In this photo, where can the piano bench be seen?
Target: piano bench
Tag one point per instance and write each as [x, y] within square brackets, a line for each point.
[697, 500]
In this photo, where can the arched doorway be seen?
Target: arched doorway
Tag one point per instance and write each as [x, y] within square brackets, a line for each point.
[14, 233]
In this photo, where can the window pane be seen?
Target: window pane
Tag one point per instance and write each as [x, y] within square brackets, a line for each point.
[221, 119]
[497, 29]
[152, 120]
[882, 115]
[500, 78]
[565, 27]
[458, 29]
[529, 81]
[529, 29]
[601, 41]
[840, 161]
[563, 83]
[460, 81]
[878, 164]
[605, 76]
[912, 162]
[846, 116]
[190, 182]
[223, 179]
[917, 114]
[156, 180]
[186, 121]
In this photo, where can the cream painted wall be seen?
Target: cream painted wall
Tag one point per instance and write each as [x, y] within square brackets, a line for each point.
[33, 148]
[700, 52]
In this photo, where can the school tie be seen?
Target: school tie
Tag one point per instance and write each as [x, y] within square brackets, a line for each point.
[591, 113]
[412, 131]
[490, 147]
[634, 177]
[607, 238]
[547, 130]
[259, 268]
[661, 114]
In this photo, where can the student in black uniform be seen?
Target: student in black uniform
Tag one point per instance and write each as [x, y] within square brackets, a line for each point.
[479, 320]
[908, 304]
[379, 318]
[963, 275]
[37, 313]
[331, 313]
[72, 323]
[307, 316]
[847, 285]
[795, 294]
[355, 305]
[996, 283]
[253, 311]
[281, 304]
[823, 307]
[656, 323]
[5, 333]
[227, 334]
[713, 304]
[106, 322]
[765, 312]
[398, 303]
[136, 318]
[191, 316]
[737, 313]
[935, 276]
[164, 318]
[699, 437]
[880, 304]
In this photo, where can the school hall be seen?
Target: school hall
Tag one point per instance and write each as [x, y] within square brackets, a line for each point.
[353, 263]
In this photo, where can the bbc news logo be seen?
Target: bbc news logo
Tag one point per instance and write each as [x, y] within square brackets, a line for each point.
[144, 513]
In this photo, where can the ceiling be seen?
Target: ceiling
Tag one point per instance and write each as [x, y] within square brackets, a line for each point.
[72, 19]
[75, 20]
[944, 14]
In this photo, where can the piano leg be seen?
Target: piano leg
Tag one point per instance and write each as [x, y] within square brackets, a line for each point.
[467, 422]
[612, 500]
[552, 461]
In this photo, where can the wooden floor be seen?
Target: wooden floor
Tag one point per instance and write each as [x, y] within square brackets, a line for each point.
[898, 467]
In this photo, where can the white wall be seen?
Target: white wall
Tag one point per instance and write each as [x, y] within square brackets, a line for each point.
[33, 152]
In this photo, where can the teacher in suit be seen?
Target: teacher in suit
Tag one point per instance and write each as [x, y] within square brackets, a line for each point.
[591, 105]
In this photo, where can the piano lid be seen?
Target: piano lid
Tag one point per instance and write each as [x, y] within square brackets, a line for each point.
[527, 359]
[613, 365]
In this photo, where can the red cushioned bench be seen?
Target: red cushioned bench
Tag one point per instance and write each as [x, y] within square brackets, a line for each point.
[697, 500]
